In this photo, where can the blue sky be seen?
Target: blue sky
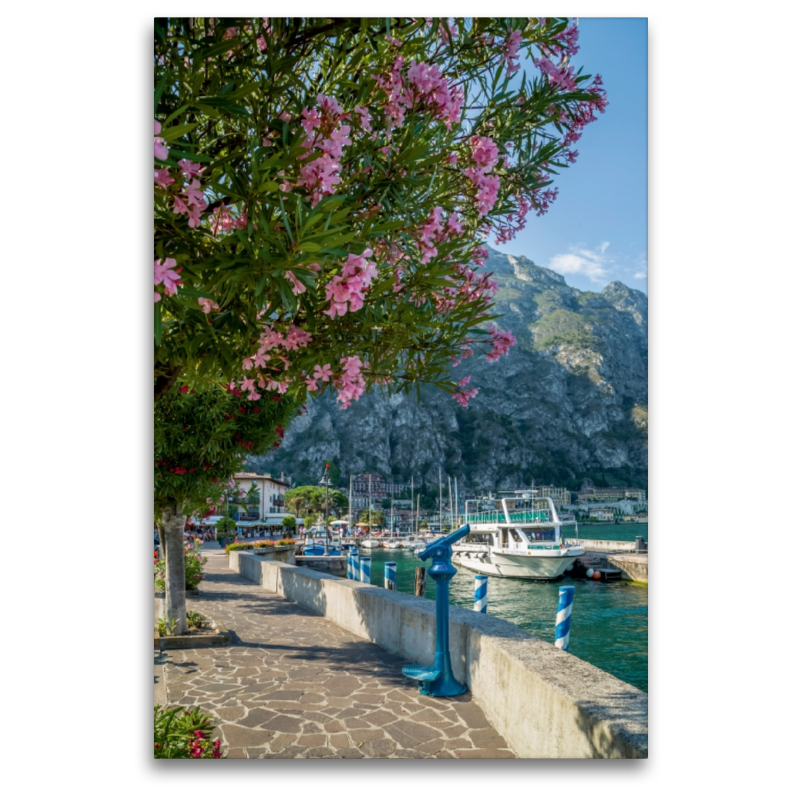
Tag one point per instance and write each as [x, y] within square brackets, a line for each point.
[596, 231]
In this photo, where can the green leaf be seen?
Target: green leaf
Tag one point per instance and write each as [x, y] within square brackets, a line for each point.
[159, 91]
[176, 131]
[309, 247]
[157, 313]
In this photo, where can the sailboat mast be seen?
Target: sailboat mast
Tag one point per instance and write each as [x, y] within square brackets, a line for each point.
[412, 504]
[440, 498]
[450, 493]
[455, 485]
[369, 513]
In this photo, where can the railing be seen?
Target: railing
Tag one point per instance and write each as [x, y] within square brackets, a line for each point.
[498, 517]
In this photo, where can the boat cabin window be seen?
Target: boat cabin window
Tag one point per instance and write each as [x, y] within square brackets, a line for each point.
[478, 538]
[545, 535]
[515, 537]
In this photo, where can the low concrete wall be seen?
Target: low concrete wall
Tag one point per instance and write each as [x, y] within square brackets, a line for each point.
[284, 553]
[634, 567]
[545, 702]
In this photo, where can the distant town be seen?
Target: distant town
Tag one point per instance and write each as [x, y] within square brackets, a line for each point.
[404, 507]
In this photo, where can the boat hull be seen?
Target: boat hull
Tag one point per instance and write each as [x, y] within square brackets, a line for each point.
[538, 567]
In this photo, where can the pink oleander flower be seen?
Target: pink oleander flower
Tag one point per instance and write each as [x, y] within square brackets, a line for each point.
[194, 193]
[162, 177]
[484, 151]
[323, 373]
[295, 339]
[159, 146]
[365, 118]
[207, 305]
[297, 286]
[189, 168]
[179, 205]
[502, 342]
[351, 286]
[156, 297]
[510, 52]
[163, 273]
[463, 396]
[311, 384]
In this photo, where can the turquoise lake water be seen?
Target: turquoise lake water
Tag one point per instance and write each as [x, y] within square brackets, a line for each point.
[609, 620]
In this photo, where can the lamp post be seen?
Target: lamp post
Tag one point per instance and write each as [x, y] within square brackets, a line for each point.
[326, 480]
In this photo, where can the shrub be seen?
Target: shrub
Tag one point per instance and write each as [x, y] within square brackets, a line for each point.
[256, 545]
[193, 570]
[183, 733]
[196, 619]
[226, 524]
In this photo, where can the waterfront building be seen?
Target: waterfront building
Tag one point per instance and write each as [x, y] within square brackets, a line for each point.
[270, 506]
[602, 514]
[559, 495]
[596, 494]
[381, 489]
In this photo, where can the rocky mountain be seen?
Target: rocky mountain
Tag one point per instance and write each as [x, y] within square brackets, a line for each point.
[568, 402]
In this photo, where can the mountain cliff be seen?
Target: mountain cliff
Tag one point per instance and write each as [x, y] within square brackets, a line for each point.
[568, 402]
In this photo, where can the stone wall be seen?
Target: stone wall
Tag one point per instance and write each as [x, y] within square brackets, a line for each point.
[634, 567]
[545, 702]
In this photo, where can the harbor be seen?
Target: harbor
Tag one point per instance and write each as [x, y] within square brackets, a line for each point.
[607, 564]
[609, 620]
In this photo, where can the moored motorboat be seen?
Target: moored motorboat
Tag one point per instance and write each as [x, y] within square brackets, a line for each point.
[515, 537]
[370, 544]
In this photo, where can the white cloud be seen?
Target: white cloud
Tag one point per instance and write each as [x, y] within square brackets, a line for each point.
[640, 275]
[580, 261]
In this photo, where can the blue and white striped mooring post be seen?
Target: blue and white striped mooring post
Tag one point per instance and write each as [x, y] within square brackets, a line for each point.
[365, 564]
[481, 583]
[350, 565]
[354, 570]
[564, 616]
[390, 575]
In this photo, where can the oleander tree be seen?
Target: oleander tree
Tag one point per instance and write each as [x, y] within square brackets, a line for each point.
[324, 189]
[201, 437]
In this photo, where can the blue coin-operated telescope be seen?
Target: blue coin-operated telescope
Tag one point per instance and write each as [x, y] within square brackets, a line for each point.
[438, 680]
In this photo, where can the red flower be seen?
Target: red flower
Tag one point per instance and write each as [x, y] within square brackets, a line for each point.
[184, 389]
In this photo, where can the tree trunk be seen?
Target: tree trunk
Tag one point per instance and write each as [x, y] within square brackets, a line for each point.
[175, 578]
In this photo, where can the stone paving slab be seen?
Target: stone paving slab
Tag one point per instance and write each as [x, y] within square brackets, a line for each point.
[295, 685]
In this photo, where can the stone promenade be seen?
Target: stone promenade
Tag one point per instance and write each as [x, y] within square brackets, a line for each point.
[294, 685]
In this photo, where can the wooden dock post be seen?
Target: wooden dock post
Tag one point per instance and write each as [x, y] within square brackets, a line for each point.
[419, 582]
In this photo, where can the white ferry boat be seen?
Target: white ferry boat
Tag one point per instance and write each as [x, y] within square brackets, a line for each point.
[515, 537]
